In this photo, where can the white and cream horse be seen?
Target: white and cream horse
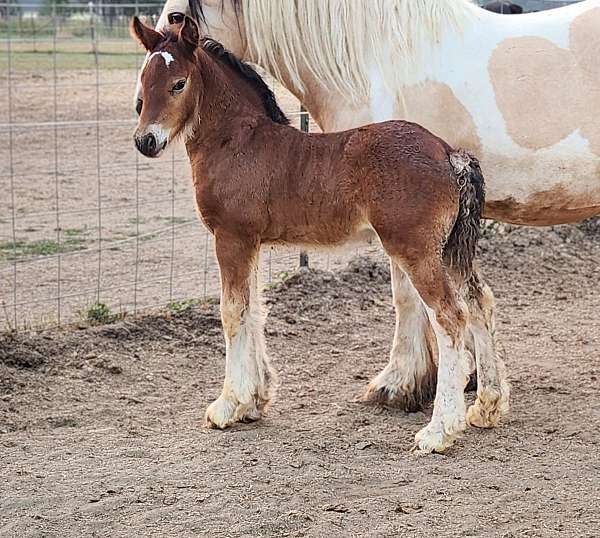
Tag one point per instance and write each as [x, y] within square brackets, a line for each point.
[522, 92]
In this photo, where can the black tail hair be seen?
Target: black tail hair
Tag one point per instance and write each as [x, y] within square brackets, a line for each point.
[461, 245]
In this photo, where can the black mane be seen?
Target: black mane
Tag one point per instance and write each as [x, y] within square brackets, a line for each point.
[221, 54]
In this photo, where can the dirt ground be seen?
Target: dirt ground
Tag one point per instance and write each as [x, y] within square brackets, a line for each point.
[101, 427]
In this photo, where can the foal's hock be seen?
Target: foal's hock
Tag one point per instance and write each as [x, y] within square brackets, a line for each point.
[258, 181]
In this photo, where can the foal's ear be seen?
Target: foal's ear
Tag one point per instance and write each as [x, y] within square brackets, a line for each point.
[189, 35]
[148, 37]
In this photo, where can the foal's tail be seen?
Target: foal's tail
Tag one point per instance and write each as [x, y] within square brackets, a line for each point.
[461, 245]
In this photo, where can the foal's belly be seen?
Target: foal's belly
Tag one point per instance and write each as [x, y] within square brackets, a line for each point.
[323, 236]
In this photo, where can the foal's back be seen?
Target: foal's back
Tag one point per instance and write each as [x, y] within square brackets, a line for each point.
[325, 188]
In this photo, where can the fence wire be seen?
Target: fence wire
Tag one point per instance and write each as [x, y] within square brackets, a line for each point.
[86, 223]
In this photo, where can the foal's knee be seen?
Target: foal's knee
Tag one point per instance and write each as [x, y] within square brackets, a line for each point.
[232, 310]
[452, 316]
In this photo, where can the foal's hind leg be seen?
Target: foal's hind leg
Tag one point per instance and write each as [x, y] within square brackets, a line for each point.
[408, 381]
[448, 316]
[492, 386]
[249, 380]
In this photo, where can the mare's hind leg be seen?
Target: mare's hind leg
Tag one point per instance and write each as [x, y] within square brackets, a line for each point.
[448, 315]
[492, 386]
[249, 380]
[408, 380]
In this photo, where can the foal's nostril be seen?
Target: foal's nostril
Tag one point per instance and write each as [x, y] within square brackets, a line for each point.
[140, 144]
[151, 144]
[146, 144]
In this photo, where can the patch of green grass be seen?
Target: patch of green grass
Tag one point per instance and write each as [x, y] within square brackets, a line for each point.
[70, 22]
[122, 236]
[74, 232]
[177, 307]
[43, 60]
[148, 237]
[12, 251]
[182, 306]
[99, 314]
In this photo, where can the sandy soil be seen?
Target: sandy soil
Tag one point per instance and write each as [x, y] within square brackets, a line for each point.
[101, 435]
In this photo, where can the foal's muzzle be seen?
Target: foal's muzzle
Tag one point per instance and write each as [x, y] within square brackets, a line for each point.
[148, 146]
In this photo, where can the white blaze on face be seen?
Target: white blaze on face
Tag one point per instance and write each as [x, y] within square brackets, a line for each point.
[166, 56]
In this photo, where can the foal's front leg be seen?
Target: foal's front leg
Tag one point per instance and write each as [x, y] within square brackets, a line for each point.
[249, 380]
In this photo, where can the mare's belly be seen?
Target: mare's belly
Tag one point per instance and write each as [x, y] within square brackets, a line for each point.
[542, 209]
[541, 190]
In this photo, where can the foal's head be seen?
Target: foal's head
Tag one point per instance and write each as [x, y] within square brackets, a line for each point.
[168, 96]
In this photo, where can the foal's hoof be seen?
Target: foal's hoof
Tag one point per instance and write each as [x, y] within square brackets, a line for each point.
[487, 410]
[436, 438]
[222, 413]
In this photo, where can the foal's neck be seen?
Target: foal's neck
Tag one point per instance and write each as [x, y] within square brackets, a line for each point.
[227, 107]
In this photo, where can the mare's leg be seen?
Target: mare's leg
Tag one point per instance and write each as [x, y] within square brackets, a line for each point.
[492, 386]
[408, 380]
[249, 380]
[448, 315]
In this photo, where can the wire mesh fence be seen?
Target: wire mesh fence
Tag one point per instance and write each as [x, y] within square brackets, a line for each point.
[87, 225]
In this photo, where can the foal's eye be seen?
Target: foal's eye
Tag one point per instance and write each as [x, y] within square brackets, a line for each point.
[178, 87]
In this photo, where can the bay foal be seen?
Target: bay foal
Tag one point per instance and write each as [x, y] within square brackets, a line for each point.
[258, 181]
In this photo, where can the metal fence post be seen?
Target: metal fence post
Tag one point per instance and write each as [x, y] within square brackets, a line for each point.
[92, 28]
[304, 126]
